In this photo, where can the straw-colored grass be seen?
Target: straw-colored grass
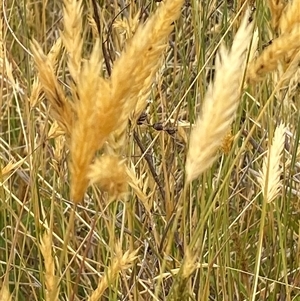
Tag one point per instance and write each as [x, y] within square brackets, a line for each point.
[51, 283]
[61, 108]
[111, 180]
[120, 261]
[220, 104]
[4, 292]
[284, 48]
[270, 58]
[109, 113]
[140, 60]
[276, 8]
[290, 17]
[271, 171]
[96, 118]
[102, 105]
[72, 35]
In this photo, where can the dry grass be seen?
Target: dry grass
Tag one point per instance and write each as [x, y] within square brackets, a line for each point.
[270, 58]
[290, 17]
[120, 262]
[276, 8]
[220, 104]
[72, 36]
[88, 135]
[271, 171]
[112, 180]
[61, 108]
[283, 48]
[51, 283]
[4, 292]
[102, 105]
[136, 67]
[101, 148]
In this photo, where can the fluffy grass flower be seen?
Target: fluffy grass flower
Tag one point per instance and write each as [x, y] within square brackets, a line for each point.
[220, 104]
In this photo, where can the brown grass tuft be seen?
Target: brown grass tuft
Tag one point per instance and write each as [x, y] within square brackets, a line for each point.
[220, 104]
[270, 174]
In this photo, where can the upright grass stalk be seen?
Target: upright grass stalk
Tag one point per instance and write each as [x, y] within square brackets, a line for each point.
[204, 249]
[95, 119]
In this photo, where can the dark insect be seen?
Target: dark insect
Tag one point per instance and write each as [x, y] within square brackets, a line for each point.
[142, 118]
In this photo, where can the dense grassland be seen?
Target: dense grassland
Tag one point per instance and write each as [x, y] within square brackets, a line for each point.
[149, 150]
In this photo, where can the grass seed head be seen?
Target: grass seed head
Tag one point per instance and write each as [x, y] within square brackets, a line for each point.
[270, 175]
[290, 17]
[282, 47]
[220, 104]
[61, 108]
[72, 35]
[4, 293]
[52, 288]
[121, 261]
[134, 70]
[276, 7]
[109, 172]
